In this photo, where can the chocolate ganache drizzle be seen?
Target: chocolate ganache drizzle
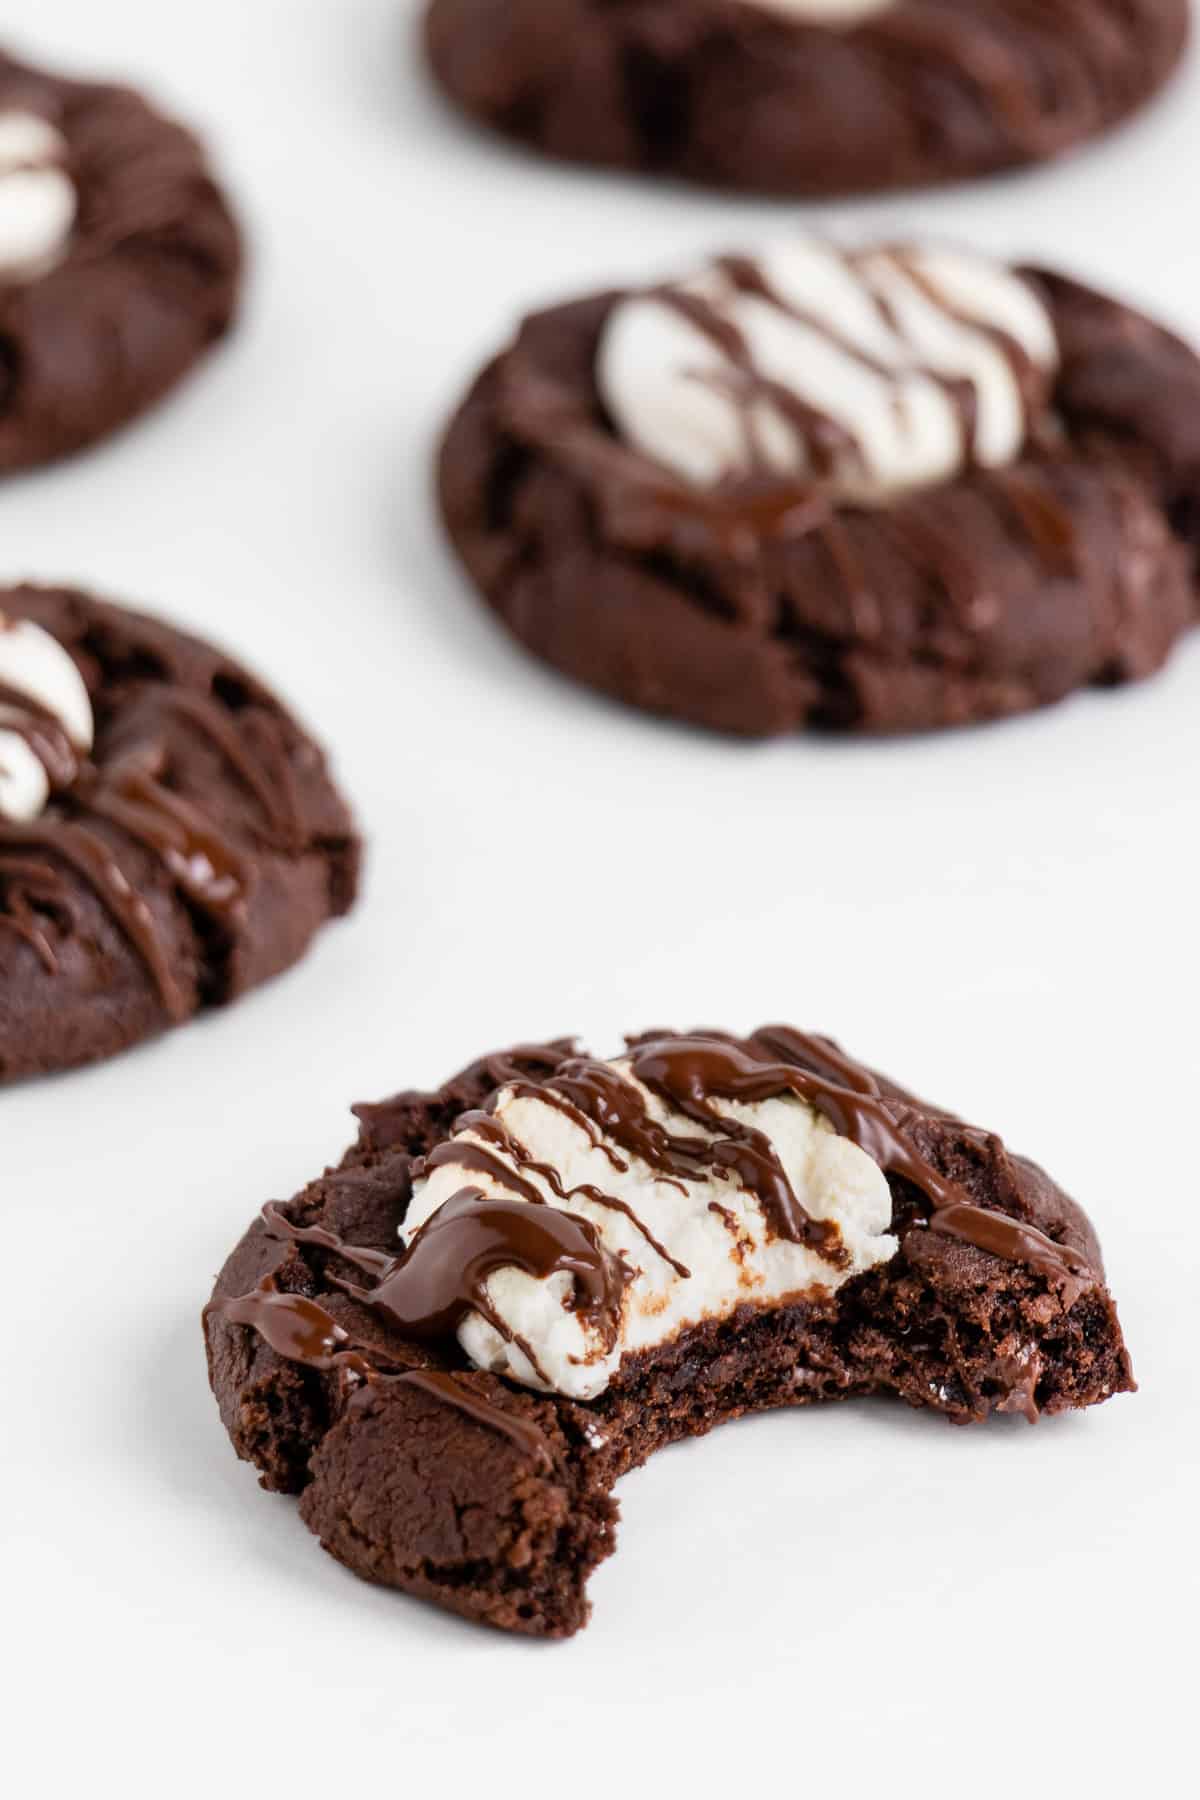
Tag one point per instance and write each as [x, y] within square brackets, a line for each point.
[692, 1072]
[441, 1279]
[425, 1292]
[128, 788]
[302, 1331]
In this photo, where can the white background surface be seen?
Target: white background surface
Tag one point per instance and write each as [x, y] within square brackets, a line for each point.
[1006, 919]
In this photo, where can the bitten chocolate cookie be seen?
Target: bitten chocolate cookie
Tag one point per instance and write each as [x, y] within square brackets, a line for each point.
[517, 1288]
[804, 96]
[169, 836]
[876, 490]
[119, 261]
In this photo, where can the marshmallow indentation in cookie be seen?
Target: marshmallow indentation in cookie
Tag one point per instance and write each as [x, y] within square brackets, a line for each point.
[37, 196]
[34, 667]
[711, 1226]
[870, 373]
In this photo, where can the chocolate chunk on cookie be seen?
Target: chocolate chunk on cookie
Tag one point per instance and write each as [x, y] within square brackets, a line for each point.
[876, 490]
[518, 1287]
[804, 96]
[119, 261]
[169, 836]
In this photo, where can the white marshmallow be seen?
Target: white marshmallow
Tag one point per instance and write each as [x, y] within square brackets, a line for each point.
[33, 663]
[831, 1177]
[24, 783]
[862, 340]
[37, 197]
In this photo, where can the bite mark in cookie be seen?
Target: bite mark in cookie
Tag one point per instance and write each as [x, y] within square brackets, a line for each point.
[493, 1286]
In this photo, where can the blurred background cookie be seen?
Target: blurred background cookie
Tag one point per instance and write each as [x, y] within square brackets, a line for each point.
[874, 490]
[804, 96]
[119, 260]
[169, 836]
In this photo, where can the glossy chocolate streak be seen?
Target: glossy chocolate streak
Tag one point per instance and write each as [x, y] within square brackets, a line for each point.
[443, 1385]
[1043, 519]
[477, 1159]
[855, 1106]
[28, 888]
[750, 278]
[525, 1089]
[296, 1328]
[44, 734]
[617, 1109]
[301, 1330]
[827, 442]
[512, 1155]
[505, 1065]
[428, 1290]
[1028, 377]
[204, 864]
[132, 793]
[91, 858]
[829, 445]
[1001, 1236]
[276, 800]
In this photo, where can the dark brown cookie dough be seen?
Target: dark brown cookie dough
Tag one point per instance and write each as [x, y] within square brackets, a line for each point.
[733, 94]
[137, 282]
[748, 610]
[495, 1500]
[190, 855]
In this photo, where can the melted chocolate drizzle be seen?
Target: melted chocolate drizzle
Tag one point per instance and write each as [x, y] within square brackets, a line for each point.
[28, 891]
[90, 857]
[744, 517]
[510, 1157]
[301, 1330]
[617, 1109]
[44, 734]
[856, 1107]
[830, 447]
[426, 1292]
[689, 1073]
[429, 1289]
[132, 793]
[203, 862]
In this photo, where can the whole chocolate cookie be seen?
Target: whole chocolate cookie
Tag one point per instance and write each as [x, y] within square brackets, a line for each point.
[804, 96]
[169, 836]
[517, 1288]
[119, 261]
[876, 490]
